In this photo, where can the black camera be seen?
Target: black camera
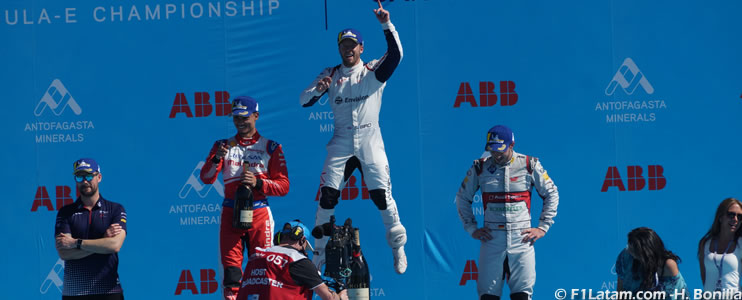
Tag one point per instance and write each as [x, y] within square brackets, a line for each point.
[344, 261]
[338, 249]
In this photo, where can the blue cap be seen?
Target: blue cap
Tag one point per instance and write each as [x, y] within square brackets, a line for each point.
[499, 138]
[295, 229]
[244, 106]
[85, 165]
[350, 33]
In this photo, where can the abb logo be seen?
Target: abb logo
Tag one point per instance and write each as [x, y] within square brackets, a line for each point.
[350, 191]
[470, 272]
[203, 106]
[636, 181]
[209, 285]
[62, 196]
[487, 95]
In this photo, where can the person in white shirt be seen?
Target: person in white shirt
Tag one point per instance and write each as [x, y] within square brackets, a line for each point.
[719, 250]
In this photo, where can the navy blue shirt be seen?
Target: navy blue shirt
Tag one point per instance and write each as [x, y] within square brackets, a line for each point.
[97, 273]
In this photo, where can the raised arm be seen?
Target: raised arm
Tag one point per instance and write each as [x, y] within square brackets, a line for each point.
[389, 62]
[214, 162]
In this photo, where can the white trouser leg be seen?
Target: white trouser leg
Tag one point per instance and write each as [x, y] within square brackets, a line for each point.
[522, 261]
[492, 255]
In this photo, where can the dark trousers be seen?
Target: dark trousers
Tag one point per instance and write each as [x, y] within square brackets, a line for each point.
[119, 296]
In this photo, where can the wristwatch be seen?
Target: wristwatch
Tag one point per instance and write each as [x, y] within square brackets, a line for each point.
[79, 244]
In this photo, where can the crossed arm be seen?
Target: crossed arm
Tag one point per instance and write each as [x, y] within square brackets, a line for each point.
[67, 245]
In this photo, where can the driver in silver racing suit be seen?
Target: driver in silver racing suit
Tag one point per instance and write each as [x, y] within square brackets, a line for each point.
[354, 91]
[506, 179]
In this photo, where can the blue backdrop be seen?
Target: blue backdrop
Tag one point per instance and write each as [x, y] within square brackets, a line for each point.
[594, 89]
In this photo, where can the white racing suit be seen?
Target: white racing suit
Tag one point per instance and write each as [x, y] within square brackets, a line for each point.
[506, 197]
[355, 96]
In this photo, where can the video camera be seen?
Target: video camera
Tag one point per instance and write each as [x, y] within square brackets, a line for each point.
[338, 249]
[344, 262]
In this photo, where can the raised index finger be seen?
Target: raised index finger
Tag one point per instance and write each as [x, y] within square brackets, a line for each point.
[379, 2]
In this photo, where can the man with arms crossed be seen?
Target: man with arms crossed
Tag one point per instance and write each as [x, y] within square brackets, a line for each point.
[89, 234]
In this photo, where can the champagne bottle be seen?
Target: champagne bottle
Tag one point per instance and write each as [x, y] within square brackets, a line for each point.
[242, 217]
[359, 281]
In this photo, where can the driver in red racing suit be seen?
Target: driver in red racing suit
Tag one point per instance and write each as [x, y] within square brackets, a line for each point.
[266, 176]
[506, 179]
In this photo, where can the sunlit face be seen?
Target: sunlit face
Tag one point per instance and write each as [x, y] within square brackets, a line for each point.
[731, 220]
[87, 183]
[245, 125]
[502, 158]
[350, 52]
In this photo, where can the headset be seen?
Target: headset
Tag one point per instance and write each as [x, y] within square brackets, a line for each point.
[293, 230]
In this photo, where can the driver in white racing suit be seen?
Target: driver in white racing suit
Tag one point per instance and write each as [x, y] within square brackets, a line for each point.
[354, 91]
[506, 179]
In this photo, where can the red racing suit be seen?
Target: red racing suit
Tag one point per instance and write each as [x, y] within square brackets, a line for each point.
[266, 161]
[268, 276]
[506, 197]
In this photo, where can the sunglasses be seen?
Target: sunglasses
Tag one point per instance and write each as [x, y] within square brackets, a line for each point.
[81, 178]
[732, 215]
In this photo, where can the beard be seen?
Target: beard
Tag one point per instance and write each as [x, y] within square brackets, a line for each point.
[88, 191]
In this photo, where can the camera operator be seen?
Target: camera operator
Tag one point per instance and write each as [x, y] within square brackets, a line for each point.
[284, 271]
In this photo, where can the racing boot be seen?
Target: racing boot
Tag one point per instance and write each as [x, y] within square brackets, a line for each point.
[323, 216]
[396, 236]
[400, 260]
[318, 259]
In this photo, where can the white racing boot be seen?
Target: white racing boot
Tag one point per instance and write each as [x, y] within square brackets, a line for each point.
[318, 259]
[322, 217]
[400, 260]
[396, 236]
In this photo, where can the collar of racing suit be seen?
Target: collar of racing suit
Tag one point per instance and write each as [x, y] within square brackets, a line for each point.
[352, 69]
[247, 141]
[512, 158]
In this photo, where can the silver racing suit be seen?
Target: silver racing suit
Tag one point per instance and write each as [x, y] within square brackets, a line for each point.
[506, 197]
[355, 96]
